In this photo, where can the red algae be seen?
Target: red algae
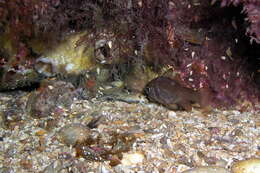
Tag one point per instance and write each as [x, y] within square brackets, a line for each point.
[252, 10]
[199, 39]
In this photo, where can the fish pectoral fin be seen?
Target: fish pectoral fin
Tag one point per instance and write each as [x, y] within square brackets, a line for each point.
[185, 105]
[172, 106]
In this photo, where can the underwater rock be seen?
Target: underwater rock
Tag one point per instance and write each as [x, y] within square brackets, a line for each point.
[63, 59]
[12, 79]
[16, 64]
[171, 94]
[42, 103]
[140, 74]
[67, 57]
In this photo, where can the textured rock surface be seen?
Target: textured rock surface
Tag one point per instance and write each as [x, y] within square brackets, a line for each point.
[49, 96]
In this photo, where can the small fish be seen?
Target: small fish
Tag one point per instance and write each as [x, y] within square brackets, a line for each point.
[171, 94]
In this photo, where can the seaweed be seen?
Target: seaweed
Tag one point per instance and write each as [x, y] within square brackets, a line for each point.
[252, 10]
[199, 39]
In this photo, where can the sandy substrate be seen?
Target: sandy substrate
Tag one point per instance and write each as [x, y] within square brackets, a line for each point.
[141, 137]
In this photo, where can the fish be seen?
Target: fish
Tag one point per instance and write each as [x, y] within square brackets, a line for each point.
[171, 94]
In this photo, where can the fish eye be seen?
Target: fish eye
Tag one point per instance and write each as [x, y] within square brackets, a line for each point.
[147, 89]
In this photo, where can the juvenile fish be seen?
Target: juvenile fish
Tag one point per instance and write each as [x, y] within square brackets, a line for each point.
[171, 94]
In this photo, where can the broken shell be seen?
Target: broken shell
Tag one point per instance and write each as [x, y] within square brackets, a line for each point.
[247, 166]
[55, 166]
[105, 169]
[132, 158]
[73, 134]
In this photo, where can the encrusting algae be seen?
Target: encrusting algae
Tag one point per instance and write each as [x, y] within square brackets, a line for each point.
[66, 57]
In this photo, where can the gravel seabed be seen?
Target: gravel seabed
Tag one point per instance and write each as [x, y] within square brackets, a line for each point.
[165, 140]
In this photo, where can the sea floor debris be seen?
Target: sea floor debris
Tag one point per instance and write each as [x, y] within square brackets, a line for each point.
[125, 136]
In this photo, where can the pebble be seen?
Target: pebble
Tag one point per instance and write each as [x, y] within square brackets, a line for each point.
[105, 169]
[74, 134]
[132, 158]
[55, 166]
[172, 114]
[207, 169]
[51, 95]
[246, 166]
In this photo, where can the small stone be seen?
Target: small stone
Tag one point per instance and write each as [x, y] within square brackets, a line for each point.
[247, 166]
[73, 134]
[55, 166]
[40, 132]
[26, 164]
[132, 158]
[172, 114]
[105, 169]
[236, 112]
[49, 96]
[207, 169]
